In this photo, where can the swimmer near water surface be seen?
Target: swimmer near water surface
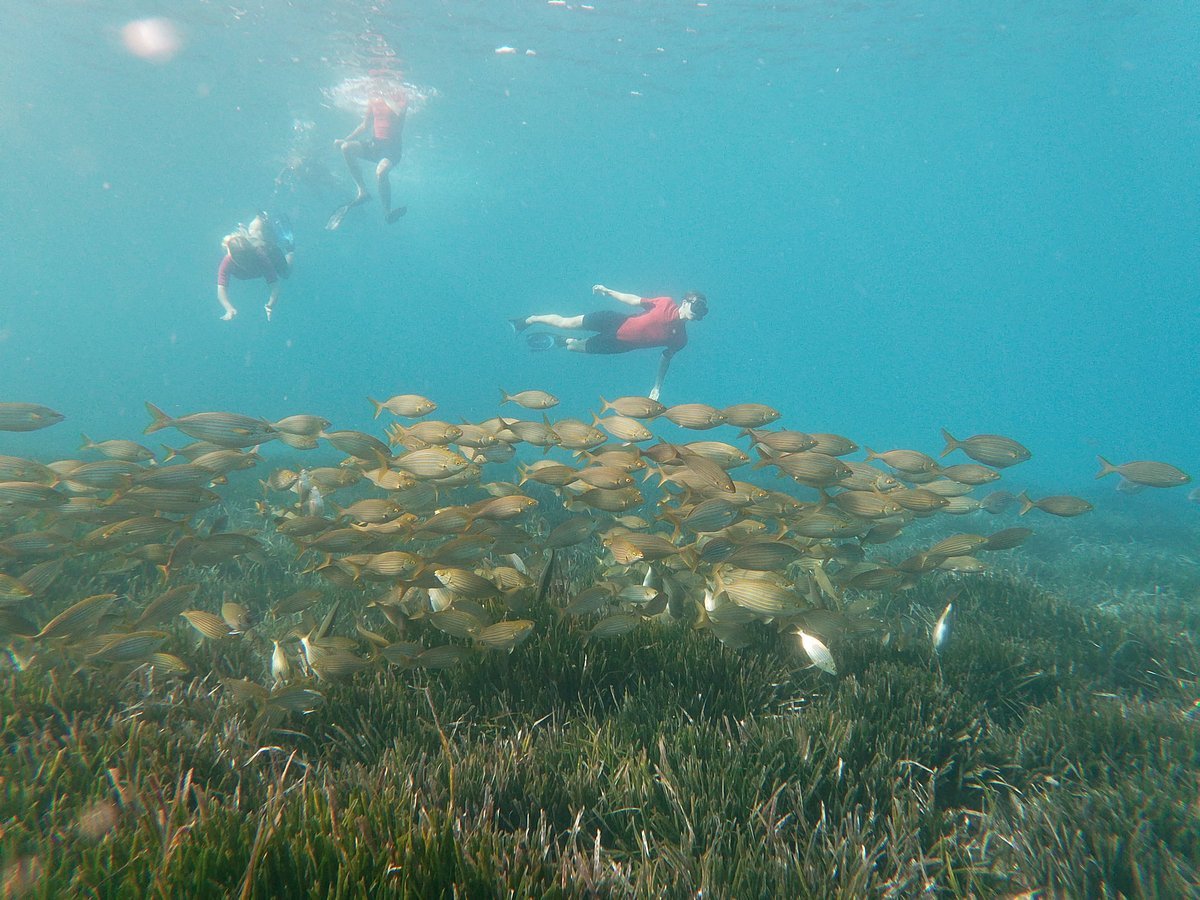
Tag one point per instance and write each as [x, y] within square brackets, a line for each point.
[378, 139]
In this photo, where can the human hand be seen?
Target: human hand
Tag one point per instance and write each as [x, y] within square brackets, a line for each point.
[599, 289]
[654, 393]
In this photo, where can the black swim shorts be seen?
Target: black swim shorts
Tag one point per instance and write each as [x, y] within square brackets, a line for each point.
[375, 150]
[605, 323]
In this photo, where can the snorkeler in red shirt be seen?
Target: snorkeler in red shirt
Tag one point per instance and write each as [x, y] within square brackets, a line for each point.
[263, 249]
[385, 120]
[660, 324]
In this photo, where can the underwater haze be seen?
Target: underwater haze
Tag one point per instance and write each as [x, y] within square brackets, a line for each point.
[358, 596]
[906, 216]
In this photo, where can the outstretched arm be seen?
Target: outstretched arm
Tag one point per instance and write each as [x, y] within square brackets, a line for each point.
[663, 365]
[631, 299]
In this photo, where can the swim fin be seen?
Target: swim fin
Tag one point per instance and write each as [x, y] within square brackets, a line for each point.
[396, 213]
[544, 340]
[339, 214]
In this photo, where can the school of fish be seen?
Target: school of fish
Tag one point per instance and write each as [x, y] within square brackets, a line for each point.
[432, 560]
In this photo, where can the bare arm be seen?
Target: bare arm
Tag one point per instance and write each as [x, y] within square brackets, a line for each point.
[222, 291]
[663, 365]
[362, 127]
[630, 299]
[223, 298]
[270, 307]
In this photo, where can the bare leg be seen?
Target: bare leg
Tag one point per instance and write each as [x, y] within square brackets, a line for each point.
[352, 150]
[385, 186]
[556, 321]
[385, 192]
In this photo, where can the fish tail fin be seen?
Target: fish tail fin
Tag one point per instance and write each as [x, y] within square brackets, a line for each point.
[88, 443]
[764, 458]
[871, 454]
[1106, 468]
[378, 406]
[605, 406]
[951, 443]
[505, 396]
[689, 556]
[382, 460]
[1026, 503]
[675, 519]
[159, 419]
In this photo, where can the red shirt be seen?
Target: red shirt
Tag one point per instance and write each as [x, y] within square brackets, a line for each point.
[229, 267]
[383, 117]
[658, 326]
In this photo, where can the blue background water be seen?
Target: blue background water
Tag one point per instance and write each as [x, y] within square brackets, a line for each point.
[905, 215]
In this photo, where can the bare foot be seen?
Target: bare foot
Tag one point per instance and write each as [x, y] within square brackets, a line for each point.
[269, 311]
[229, 314]
[395, 214]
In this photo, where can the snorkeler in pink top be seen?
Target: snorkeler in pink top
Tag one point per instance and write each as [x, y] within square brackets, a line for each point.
[384, 120]
[263, 249]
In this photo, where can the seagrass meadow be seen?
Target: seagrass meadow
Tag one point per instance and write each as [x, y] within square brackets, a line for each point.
[1048, 748]
[1047, 751]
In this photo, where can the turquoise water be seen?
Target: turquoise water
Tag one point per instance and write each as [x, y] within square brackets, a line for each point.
[905, 215]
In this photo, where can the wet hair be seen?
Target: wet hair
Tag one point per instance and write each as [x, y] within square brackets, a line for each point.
[699, 304]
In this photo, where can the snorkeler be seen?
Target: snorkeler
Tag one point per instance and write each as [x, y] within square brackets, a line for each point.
[385, 118]
[263, 249]
[660, 324]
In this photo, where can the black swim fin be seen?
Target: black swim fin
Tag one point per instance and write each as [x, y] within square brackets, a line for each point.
[395, 214]
[544, 340]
